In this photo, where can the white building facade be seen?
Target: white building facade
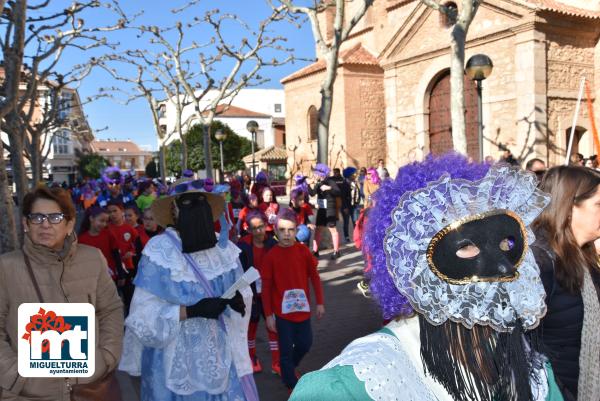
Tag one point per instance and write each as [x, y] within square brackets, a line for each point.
[260, 105]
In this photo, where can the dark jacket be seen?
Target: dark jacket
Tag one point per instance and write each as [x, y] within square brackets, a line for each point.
[345, 191]
[247, 254]
[329, 195]
[560, 330]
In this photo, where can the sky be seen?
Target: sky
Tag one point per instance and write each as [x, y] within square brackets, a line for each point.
[114, 119]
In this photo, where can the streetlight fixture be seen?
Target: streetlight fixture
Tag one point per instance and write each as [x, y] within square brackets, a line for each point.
[252, 127]
[221, 136]
[478, 68]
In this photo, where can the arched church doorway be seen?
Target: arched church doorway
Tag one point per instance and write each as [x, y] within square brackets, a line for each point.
[440, 120]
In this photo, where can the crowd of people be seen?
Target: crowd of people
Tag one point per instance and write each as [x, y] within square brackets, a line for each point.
[487, 277]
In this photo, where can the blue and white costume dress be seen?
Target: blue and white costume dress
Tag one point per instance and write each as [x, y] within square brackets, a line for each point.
[196, 359]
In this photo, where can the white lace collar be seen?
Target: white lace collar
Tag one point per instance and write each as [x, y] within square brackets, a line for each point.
[214, 261]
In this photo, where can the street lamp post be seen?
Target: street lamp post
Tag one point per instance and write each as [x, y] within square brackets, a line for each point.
[478, 68]
[252, 127]
[221, 136]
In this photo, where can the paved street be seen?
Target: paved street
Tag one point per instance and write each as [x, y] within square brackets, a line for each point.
[348, 316]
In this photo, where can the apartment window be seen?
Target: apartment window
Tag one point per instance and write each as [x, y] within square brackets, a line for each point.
[277, 107]
[61, 142]
[65, 106]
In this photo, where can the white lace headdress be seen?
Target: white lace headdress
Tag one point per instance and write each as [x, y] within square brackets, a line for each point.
[421, 214]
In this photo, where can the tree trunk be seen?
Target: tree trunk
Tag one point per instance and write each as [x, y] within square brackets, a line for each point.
[36, 160]
[162, 163]
[184, 153]
[8, 229]
[15, 138]
[457, 108]
[326, 106]
[207, 152]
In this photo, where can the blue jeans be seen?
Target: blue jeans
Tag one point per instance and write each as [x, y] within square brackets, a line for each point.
[295, 340]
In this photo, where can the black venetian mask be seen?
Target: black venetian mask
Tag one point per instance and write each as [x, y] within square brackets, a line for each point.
[195, 223]
[487, 247]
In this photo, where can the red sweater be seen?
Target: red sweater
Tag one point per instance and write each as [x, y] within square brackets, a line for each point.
[286, 269]
[103, 241]
[125, 236]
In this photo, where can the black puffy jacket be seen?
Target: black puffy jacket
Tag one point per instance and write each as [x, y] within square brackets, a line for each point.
[560, 330]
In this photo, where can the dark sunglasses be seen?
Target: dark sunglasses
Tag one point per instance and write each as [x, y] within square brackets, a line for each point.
[53, 218]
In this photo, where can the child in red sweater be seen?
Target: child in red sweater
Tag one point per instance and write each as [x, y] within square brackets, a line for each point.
[286, 271]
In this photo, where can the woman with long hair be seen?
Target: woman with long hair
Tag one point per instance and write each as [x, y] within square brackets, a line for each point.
[564, 250]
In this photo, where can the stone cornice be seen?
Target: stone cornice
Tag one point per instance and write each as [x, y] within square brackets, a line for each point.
[444, 50]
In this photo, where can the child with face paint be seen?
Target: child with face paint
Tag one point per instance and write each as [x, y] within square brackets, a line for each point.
[287, 270]
[252, 205]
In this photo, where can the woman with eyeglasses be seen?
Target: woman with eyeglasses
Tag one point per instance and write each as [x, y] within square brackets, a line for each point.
[53, 268]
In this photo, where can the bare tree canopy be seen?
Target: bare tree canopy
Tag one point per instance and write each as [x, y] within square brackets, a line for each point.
[328, 49]
[189, 72]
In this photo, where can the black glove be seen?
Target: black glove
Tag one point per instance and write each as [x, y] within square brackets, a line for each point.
[209, 308]
[237, 303]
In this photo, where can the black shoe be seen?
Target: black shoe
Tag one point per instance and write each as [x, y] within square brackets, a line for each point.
[316, 254]
[335, 255]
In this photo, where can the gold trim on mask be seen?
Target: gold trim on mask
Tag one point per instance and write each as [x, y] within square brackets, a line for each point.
[454, 226]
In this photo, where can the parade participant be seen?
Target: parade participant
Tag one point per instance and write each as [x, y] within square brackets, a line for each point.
[326, 191]
[150, 225]
[133, 217]
[269, 207]
[260, 183]
[88, 196]
[186, 342]
[303, 212]
[237, 199]
[301, 184]
[564, 249]
[252, 205]
[453, 266]
[254, 247]
[126, 237]
[113, 179]
[371, 184]
[94, 232]
[53, 267]
[286, 272]
[147, 195]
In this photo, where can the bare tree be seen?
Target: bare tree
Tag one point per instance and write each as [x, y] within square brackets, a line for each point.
[152, 79]
[50, 33]
[13, 59]
[329, 51]
[194, 65]
[461, 20]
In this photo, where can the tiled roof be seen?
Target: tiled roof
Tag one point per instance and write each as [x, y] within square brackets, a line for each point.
[558, 7]
[356, 55]
[224, 110]
[267, 154]
[116, 147]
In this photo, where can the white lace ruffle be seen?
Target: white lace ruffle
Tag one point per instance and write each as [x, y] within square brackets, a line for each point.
[422, 213]
[214, 261]
[388, 371]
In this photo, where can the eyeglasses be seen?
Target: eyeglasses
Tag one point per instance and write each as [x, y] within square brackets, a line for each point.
[257, 228]
[53, 218]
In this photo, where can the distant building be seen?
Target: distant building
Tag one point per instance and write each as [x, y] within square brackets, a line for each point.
[265, 106]
[66, 138]
[392, 92]
[126, 155]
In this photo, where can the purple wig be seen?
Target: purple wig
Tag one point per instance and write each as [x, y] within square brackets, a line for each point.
[262, 178]
[113, 175]
[321, 170]
[300, 183]
[409, 178]
[375, 179]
